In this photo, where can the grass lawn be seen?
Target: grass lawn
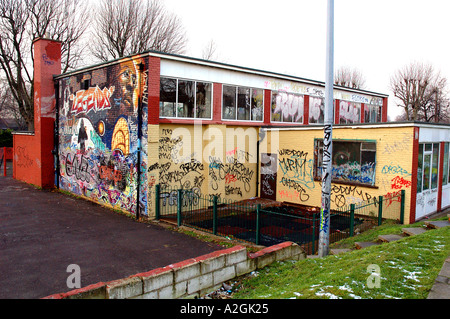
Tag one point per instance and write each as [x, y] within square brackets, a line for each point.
[407, 270]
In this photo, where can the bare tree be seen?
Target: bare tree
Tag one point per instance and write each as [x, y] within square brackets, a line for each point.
[421, 92]
[125, 27]
[209, 52]
[352, 78]
[22, 21]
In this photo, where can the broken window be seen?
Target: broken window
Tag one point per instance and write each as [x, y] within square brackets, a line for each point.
[185, 98]
[316, 110]
[242, 103]
[287, 107]
[352, 161]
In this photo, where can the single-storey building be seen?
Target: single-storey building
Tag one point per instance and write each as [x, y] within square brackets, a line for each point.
[125, 126]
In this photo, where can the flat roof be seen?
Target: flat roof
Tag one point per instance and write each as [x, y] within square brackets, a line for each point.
[213, 64]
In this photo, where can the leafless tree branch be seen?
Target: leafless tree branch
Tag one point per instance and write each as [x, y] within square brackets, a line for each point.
[125, 27]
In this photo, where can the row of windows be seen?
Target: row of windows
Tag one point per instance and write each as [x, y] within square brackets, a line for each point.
[428, 167]
[193, 99]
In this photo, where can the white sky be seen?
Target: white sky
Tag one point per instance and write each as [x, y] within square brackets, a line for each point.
[289, 36]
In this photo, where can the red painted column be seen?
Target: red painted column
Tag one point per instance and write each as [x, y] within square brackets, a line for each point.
[306, 110]
[267, 106]
[384, 110]
[441, 173]
[363, 106]
[154, 83]
[336, 111]
[415, 164]
[217, 102]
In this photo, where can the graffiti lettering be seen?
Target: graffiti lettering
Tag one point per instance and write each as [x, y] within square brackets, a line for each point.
[78, 167]
[399, 182]
[395, 169]
[93, 99]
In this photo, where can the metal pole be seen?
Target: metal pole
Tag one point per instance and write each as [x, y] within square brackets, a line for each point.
[324, 234]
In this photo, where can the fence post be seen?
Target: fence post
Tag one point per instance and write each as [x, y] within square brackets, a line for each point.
[179, 200]
[352, 219]
[380, 210]
[402, 207]
[258, 211]
[314, 234]
[215, 215]
[157, 202]
[4, 161]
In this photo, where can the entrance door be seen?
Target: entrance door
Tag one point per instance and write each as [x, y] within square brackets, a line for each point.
[269, 176]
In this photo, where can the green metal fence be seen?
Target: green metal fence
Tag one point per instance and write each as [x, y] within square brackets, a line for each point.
[270, 224]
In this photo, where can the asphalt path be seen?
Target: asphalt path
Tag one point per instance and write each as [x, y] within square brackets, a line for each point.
[42, 233]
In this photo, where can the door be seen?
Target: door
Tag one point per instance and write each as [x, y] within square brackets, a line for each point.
[269, 176]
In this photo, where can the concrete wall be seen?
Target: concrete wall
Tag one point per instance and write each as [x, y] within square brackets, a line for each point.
[190, 278]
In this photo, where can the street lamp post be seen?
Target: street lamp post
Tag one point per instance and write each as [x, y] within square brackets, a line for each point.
[324, 233]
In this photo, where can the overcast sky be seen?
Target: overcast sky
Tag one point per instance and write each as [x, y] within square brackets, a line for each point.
[289, 36]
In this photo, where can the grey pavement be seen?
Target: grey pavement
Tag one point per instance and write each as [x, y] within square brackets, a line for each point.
[43, 232]
[441, 287]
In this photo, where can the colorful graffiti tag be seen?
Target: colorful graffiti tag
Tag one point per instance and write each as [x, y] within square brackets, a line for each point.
[98, 135]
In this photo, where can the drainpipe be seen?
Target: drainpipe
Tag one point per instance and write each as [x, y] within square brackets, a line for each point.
[262, 135]
[55, 150]
[139, 150]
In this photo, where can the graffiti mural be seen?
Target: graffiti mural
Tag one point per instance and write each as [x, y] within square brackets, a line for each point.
[99, 136]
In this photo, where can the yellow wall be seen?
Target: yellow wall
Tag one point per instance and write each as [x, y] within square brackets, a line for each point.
[393, 166]
[210, 159]
[221, 160]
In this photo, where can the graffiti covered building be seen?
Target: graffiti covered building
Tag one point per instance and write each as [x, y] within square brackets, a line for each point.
[127, 125]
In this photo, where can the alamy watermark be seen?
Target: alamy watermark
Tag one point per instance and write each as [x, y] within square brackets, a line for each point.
[74, 279]
[374, 279]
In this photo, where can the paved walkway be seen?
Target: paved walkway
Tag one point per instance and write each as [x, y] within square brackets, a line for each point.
[441, 287]
[43, 232]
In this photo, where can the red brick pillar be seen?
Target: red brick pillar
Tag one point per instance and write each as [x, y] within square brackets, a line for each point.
[47, 63]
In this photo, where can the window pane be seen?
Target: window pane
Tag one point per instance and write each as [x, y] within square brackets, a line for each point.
[243, 109]
[435, 169]
[280, 111]
[229, 103]
[203, 100]
[426, 172]
[347, 161]
[257, 104]
[446, 166]
[420, 169]
[168, 97]
[316, 109]
[368, 113]
[297, 108]
[186, 98]
[349, 112]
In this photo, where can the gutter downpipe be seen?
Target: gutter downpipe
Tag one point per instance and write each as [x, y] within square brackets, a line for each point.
[55, 150]
[139, 149]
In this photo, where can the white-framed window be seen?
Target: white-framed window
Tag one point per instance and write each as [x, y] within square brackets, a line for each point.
[372, 113]
[188, 99]
[241, 103]
[317, 110]
[428, 167]
[287, 107]
[349, 112]
[446, 168]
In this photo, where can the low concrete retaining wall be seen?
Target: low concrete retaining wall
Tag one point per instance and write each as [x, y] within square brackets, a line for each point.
[190, 278]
